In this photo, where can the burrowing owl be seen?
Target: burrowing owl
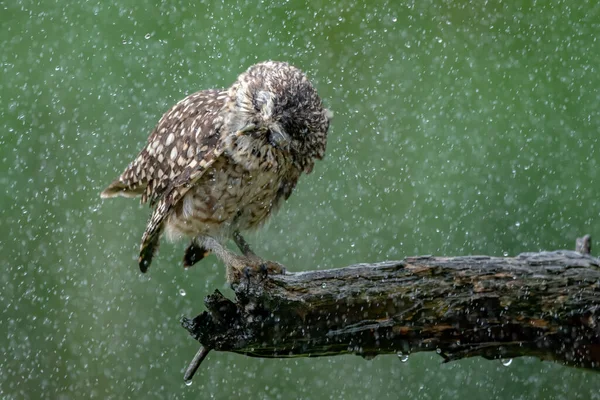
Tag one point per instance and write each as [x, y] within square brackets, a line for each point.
[222, 161]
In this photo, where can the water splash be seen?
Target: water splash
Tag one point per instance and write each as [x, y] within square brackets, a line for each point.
[506, 361]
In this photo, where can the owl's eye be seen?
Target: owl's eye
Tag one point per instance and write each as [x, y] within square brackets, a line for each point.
[263, 99]
[270, 138]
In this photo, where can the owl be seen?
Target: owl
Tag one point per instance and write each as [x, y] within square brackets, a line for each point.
[221, 162]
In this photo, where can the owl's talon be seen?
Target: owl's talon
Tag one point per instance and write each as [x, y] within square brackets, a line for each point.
[263, 269]
[260, 270]
[247, 274]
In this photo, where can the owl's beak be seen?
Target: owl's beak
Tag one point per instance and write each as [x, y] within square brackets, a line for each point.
[278, 138]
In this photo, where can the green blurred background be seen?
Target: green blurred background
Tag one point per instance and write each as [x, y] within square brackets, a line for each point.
[460, 128]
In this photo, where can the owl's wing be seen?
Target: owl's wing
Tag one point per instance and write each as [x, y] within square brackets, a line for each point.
[182, 146]
[185, 133]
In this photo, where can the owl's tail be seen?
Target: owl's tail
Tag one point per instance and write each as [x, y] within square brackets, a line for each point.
[147, 250]
[150, 239]
[120, 188]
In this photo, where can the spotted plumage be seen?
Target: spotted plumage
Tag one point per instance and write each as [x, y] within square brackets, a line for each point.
[222, 161]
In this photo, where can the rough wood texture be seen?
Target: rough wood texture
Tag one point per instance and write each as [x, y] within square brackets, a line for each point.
[536, 304]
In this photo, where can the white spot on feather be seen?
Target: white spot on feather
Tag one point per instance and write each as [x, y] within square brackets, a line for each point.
[191, 152]
[170, 139]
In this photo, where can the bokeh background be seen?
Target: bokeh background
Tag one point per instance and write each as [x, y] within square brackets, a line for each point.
[460, 128]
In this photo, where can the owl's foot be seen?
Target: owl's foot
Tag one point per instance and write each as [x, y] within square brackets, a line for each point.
[250, 267]
[193, 254]
[265, 268]
[243, 245]
[238, 267]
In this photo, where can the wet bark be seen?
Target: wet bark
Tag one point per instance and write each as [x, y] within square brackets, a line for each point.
[536, 304]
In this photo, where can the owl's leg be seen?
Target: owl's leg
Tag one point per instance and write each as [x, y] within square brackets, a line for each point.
[194, 253]
[238, 266]
[243, 245]
[265, 267]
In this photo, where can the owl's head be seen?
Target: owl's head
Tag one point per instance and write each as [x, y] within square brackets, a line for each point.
[273, 110]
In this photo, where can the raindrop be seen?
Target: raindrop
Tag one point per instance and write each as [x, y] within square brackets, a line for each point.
[438, 350]
[402, 357]
[148, 35]
[182, 292]
[506, 361]
[188, 383]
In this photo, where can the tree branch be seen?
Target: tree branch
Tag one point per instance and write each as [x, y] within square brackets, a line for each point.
[544, 305]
